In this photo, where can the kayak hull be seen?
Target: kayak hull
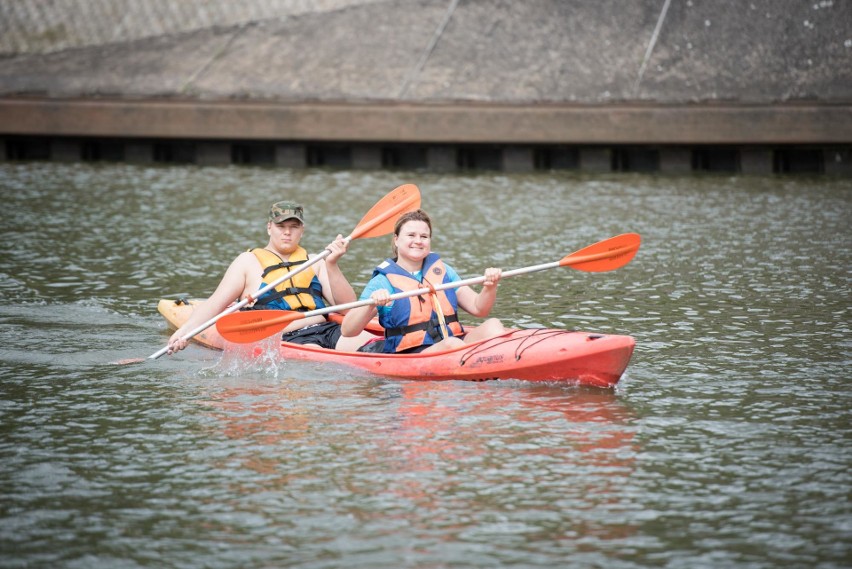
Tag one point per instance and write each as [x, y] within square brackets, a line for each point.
[544, 355]
[541, 355]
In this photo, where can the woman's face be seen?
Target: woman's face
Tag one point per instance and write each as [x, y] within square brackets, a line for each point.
[413, 241]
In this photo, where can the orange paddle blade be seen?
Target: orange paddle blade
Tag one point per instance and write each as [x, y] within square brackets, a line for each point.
[254, 325]
[372, 326]
[382, 216]
[604, 255]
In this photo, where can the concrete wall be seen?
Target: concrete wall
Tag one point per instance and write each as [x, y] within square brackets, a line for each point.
[44, 26]
[503, 51]
[554, 72]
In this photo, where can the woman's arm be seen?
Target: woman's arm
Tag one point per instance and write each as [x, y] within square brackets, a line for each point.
[480, 305]
[357, 319]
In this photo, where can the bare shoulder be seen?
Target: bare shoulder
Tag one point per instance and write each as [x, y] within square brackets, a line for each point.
[244, 264]
[246, 258]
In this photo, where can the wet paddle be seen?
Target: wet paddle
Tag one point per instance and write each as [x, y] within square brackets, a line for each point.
[377, 222]
[255, 325]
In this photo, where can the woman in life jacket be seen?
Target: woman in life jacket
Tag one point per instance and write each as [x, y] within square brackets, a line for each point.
[427, 322]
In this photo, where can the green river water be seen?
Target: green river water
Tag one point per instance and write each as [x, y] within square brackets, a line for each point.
[726, 444]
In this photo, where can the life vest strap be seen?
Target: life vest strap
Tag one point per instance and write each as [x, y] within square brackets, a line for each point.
[403, 330]
[260, 307]
[274, 295]
[281, 265]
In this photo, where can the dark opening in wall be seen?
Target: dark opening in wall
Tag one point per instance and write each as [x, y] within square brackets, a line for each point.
[102, 151]
[329, 155]
[28, 148]
[635, 159]
[408, 157]
[748, 159]
[556, 158]
[479, 158]
[246, 153]
[174, 152]
[716, 159]
[799, 161]
[391, 157]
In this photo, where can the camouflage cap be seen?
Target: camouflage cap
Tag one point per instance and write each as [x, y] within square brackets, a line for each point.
[281, 211]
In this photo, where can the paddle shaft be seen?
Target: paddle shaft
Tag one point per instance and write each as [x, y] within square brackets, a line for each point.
[602, 256]
[289, 317]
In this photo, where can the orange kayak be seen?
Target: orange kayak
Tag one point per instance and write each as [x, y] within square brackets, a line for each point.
[536, 354]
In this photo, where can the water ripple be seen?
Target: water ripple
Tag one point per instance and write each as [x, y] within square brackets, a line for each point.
[725, 444]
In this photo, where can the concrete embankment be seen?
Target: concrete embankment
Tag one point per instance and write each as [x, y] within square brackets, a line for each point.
[672, 85]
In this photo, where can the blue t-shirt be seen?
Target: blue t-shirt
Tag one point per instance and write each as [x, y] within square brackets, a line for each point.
[381, 281]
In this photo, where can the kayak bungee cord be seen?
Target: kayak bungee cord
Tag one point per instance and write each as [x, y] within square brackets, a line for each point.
[540, 336]
[491, 343]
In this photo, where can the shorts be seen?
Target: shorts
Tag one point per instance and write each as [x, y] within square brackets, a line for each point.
[324, 334]
[376, 347]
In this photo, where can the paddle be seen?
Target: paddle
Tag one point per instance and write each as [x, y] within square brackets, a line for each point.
[255, 325]
[377, 222]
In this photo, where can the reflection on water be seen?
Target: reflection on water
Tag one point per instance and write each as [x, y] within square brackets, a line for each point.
[726, 443]
[476, 463]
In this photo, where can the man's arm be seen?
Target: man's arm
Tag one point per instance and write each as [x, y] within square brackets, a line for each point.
[230, 288]
[335, 287]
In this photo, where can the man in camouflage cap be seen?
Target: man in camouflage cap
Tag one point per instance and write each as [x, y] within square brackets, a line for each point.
[321, 284]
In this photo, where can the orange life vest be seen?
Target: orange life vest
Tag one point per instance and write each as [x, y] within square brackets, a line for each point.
[413, 321]
[301, 292]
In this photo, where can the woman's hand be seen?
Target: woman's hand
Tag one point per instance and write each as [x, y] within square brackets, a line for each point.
[480, 304]
[381, 297]
[492, 276]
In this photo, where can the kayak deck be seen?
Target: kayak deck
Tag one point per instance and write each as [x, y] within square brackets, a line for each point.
[541, 355]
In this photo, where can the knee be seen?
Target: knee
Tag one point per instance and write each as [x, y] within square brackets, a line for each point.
[445, 344]
[494, 326]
